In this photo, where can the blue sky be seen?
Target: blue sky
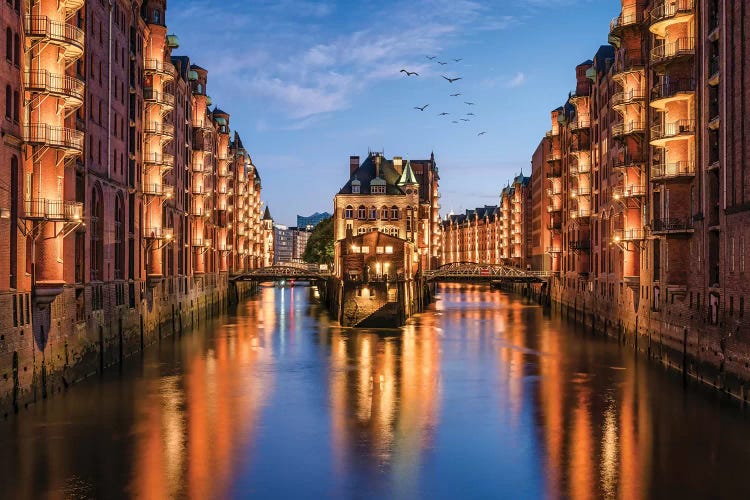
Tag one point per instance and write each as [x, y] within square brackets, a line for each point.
[308, 83]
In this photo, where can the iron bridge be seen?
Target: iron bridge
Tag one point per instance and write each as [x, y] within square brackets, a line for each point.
[300, 272]
[472, 272]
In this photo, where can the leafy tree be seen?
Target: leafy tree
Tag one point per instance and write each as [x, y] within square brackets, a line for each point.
[319, 249]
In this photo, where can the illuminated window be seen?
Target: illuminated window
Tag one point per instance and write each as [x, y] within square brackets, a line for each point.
[348, 212]
[361, 230]
[377, 189]
[389, 249]
[379, 250]
[373, 213]
[384, 213]
[365, 249]
[361, 212]
[394, 213]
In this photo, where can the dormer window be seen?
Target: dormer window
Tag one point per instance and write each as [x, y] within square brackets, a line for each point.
[356, 186]
[378, 189]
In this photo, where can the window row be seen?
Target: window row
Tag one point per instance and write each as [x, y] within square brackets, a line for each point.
[364, 213]
[12, 104]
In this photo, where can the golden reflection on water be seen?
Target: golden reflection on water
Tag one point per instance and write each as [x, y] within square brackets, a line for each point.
[189, 429]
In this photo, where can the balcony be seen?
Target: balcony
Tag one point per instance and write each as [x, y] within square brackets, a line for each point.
[628, 160]
[673, 90]
[579, 125]
[55, 210]
[629, 191]
[633, 234]
[553, 157]
[583, 167]
[673, 171]
[580, 191]
[553, 250]
[163, 99]
[202, 242]
[198, 167]
[158, 233]
[162, 161]
[672, 226]
[554, 173]
[199, 210]
[668, 52]
[164, 130]
[554, 192]
[665, 13]
[202, 140]
[63, 35]
[68, 140]
[622, 130]
[580, 214]
[552, 133]
[71, 90]
[623, 21]
[158, 190]
[621, 99]
[627, 64]
[156, 67]
[579, 146]
[198, 191]
[680, 129]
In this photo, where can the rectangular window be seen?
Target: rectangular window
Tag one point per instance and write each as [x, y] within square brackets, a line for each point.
[389, 249]
[379, 250]
[731, 253]
[742, 254]
[365, 249]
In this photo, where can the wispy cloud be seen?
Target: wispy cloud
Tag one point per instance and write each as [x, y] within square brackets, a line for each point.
[516, 81]
[320, 71]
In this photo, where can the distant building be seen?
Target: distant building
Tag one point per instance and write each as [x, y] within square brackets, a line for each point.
[310, 221]
[289, 243]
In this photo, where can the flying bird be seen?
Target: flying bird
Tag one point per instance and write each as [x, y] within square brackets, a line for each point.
[469, 103]
[465, 120]
[459, 59]
[469, 114]
[409, 73]
[454, 121]
[451, 80]
[431, 57]
[481, 133]
[422, 108]
[441, 63]
[443, 113]
[455, 95]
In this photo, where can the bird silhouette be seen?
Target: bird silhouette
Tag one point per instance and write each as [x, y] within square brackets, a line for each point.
[451, 80]
[409, 73]
[459, 59]
[469, 114]
[481, 133]
[443, 113]
[469, 103]
[455, 95]
[431, 57]
[422, 108]
[441, 63]
[465, 120]
[454, 121]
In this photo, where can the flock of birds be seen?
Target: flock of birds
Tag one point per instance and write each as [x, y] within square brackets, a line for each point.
[450, 81]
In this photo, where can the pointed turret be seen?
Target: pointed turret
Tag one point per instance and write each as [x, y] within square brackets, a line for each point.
[407, 176]
[267, 214]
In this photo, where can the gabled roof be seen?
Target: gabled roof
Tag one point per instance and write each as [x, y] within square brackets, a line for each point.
[365, 174]
[407, 176]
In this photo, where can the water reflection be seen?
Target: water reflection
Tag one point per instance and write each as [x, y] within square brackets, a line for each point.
[484, 396]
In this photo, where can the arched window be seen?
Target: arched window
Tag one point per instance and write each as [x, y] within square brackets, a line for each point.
[384, 212]
[349, 212]
[157, 16]
[119, 237]
[9, 45]
[16, 49]
[361, 212]
[200, 88]
[8, 102]
[373, 213]
[394, 212]
[97, 233]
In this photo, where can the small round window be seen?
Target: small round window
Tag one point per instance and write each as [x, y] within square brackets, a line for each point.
[408, 191]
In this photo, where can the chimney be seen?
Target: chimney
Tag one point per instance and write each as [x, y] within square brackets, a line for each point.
[353, 164]
[398, 164]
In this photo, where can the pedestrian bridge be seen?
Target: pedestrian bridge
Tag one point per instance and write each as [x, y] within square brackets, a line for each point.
[286, 271]
[472, 272]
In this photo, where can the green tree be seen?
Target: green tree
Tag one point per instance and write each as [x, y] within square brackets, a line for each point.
[319, 249]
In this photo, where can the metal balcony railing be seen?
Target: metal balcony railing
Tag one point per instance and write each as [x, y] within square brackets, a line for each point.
[673, 170]
[580, 191]
[158, 233]
[64, 35]
[623, 129]
[628, 160]
[624, 20]
[632, 234]
[674, 129]
[581, 245]
[68, 139]
[60, 210]
[680, 47]
[158, 190]
[629, 97]
[160, 159]
[628, 63]
[554, 173]
[629, 191]
[666, 90]
[579, 125]
[553, 250]
[552, 133]
[164, 99]
[554, 157]
[202, 242]
[672, 225]
[67, 87]
[159, 128]
[156, 66]
[668, 9]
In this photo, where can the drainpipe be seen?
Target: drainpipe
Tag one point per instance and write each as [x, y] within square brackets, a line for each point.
[109, 97]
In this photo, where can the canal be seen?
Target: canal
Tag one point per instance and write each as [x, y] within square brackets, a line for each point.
[482, 396]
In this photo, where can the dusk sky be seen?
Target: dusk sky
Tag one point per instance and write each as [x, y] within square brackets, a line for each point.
[309, 83]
